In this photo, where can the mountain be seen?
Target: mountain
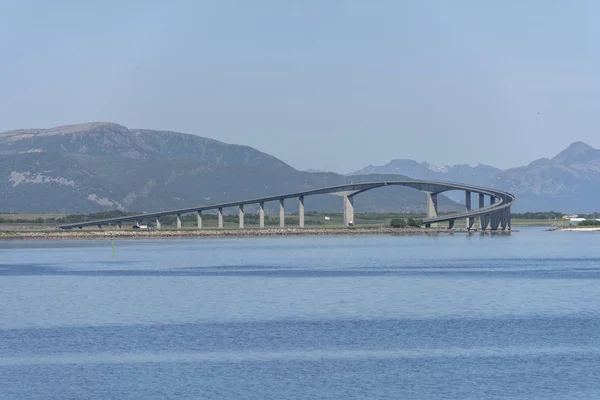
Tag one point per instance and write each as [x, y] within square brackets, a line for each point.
[478, 175]
[568, 182]
[102, 166]
[108, 139]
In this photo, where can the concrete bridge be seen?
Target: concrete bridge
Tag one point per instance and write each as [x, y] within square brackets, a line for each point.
[493, 214]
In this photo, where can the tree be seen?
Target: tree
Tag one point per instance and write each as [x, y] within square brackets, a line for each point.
[398, 223]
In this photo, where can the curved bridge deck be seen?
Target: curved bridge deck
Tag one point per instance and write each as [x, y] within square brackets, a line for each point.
[494, 215]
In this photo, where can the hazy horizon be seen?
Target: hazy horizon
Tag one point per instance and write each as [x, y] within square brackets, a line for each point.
[321, 85]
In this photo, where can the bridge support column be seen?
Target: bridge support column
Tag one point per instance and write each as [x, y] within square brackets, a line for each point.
[119, 224]
[483, 223]
[451, 224]
[281, 213]
[99, 226]
[499, 216]
[158, 226]
[261, 213]
[494, 216]
[348, 210]
[301, 211]
[220, 217]
[199, 219]
[241, 215]
[505, 220]
[178, 221]
[469, 220]
[432, 207]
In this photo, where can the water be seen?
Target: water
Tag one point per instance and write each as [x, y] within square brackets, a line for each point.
[372, 317]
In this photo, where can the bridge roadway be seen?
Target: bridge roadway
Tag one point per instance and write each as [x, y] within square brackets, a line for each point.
[493, 216]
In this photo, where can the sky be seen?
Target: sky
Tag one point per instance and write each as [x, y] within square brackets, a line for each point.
[323, 84]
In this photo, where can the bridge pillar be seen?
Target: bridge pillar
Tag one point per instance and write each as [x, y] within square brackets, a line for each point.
[470, 220]
[301, 211]
[432, 207]
[451, 224]
[119, 224]
[505, 219]
[494, 216]
[199, 219]
[261, 213]
[348, 210]
[178, 216]
[241, 215]
[483, 218]
[99, 226]
[158, 226]
[499, 218]
[220, 217]
[281, 213]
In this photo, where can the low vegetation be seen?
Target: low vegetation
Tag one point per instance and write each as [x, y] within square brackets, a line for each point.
[409, 223]
[589, 222]
[538, 215]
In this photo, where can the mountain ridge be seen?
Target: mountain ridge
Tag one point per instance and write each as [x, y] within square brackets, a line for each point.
[569, 181]
[103, 166]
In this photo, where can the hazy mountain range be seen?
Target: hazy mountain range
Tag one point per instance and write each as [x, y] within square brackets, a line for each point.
[569, 182]
[100, 166]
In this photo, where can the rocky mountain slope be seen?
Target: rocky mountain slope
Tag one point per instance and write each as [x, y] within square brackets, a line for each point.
[103, 166]
[570, 181]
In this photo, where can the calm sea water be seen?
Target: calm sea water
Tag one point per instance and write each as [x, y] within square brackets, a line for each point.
[372, 317]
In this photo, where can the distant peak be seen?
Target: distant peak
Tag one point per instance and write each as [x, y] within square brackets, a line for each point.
[579, 146]
[577, 151]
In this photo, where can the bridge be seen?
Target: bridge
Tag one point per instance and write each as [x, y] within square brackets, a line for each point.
[493, 216]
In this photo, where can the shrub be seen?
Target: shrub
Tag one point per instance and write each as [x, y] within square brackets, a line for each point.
[398, 223]
[414, 222]
[589, 222]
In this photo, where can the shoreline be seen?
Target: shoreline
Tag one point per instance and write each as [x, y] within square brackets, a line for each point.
[583, 229]
[217, 233]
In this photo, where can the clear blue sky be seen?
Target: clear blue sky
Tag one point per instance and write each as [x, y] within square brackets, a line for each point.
[321, 84]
